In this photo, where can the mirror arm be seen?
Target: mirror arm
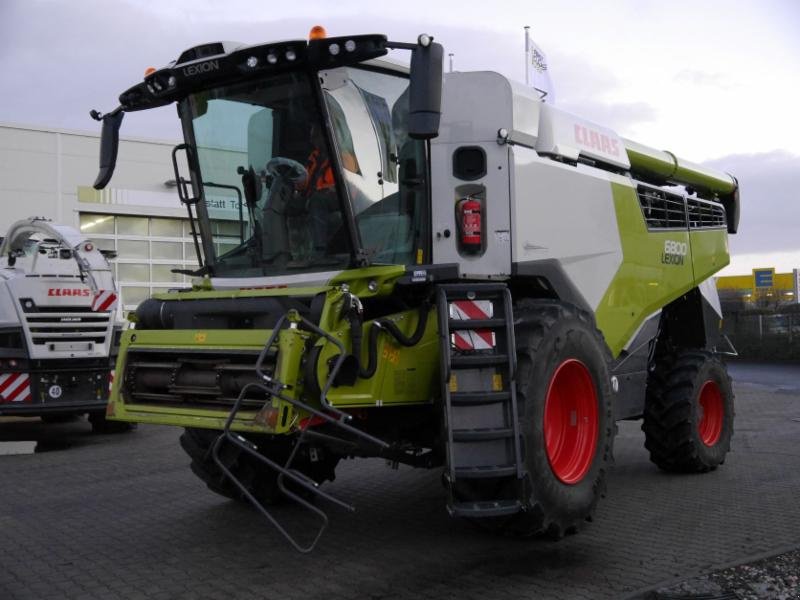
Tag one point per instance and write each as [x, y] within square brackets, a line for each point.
[400, 45]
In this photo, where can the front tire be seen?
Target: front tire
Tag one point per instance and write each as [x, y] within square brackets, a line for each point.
[262, 483]
[259, 479]
[567, 420]
[101, 425]
[57, 418]
[688, 417]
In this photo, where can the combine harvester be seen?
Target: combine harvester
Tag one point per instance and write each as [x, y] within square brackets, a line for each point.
[58, 325]
[436, 269]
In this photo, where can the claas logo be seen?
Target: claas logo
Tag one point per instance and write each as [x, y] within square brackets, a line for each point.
[81, 293]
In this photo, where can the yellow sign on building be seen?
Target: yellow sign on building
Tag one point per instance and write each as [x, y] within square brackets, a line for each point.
[759, 285]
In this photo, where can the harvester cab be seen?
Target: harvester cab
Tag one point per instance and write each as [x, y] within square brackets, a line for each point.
[435, 269]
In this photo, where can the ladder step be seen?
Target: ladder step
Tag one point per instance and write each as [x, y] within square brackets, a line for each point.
[461, 324]
[472, 291]
[485, 508]
[479, 435]
[470, 398]
[478, 360]
[485, 472]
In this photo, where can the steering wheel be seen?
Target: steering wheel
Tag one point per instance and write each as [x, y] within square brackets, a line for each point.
[288, 168]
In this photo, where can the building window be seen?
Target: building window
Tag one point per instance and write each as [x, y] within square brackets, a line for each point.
[148, 249]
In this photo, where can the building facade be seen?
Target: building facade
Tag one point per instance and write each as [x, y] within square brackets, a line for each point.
[49, 173]
[763, 288]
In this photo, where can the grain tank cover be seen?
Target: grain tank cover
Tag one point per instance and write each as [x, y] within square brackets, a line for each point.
[565, 135]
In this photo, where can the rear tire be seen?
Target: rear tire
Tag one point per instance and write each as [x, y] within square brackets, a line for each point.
[567, 422]
[688, 416]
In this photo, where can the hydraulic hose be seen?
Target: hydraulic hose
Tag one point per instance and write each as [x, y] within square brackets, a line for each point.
[372, 343]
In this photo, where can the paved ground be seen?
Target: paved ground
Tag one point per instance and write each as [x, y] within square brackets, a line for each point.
[122, 517]
[775, 577]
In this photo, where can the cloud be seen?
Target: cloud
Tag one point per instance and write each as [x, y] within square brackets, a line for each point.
[100, 49]
[703, 78]
[619, 116]
[587, 90]
[770, 217]
[743, 264]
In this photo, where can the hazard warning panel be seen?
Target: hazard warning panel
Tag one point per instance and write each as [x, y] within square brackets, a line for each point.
[15, 387]
[472, 339]
[104, 300]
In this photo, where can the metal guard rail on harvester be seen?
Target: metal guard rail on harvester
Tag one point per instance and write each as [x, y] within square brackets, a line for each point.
[273, 389]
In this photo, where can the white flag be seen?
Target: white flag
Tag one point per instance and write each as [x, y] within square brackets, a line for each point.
[537, 71]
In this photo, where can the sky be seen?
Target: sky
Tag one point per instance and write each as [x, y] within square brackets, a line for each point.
[712, 81]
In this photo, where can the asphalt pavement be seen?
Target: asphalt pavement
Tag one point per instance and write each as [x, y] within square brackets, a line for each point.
[123, 517]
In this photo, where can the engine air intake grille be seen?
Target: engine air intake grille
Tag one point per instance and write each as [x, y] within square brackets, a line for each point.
[72, 325]
[197, 379]
[662, 210]
[704, 214]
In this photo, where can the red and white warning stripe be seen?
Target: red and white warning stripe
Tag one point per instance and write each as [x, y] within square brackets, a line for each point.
[15, 387]
[472, 339]
[104, 300]
[110, 380]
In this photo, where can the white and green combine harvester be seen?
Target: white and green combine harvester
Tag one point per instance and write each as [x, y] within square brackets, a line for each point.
[439, 270]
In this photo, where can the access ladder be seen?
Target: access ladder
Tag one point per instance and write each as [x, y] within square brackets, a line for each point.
[485, 472]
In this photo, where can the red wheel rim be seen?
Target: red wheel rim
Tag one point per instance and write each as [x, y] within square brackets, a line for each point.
[712, 413]
[570, 421]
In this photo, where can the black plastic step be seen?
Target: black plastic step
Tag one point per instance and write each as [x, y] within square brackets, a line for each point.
[479, 435]
[485, 472]
[461, 324]
[473, 398]
[478, 360]
[485, 508]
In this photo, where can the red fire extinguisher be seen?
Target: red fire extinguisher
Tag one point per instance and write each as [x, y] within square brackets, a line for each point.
[469, 219]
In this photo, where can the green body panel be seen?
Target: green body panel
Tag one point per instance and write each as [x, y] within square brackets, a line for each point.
[178, 341]
[404, 375]
[288, 370]
[647, 279]
[649, 163]
[202, 294]
[709, 252]
[370, 281]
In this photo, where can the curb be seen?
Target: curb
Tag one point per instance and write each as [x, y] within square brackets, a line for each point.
[643, 593]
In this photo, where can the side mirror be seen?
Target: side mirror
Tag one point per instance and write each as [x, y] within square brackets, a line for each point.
[109, 144]
[731, 204]
[425, 89]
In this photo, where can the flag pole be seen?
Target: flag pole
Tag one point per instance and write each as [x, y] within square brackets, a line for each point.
[527, 53]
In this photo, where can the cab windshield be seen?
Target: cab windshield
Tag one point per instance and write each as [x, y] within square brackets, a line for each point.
[273, 198]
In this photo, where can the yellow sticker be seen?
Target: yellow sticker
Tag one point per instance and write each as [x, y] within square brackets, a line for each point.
[391, 354]
[420, 256]
[497, 382]
[453, 383]
[200, 337]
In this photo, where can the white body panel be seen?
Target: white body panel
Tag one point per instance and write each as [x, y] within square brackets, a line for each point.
[476, 105]
[290, 281]
[536, 209]
[566, 214]
[708, 288]
[52, 298]
[495, 261]
[563, 134]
